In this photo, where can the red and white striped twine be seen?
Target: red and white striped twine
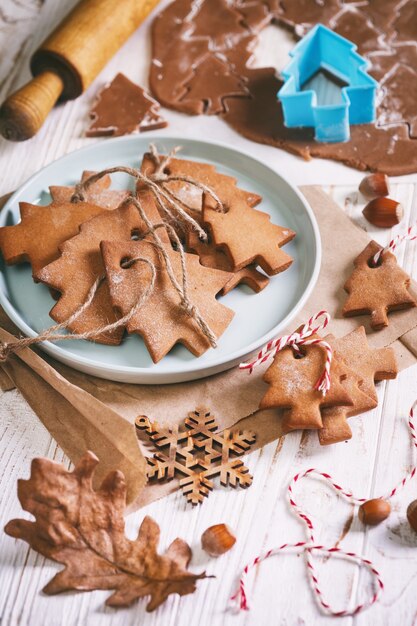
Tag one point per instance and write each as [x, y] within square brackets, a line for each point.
[295, 340]
[240, 598]
[410, 235]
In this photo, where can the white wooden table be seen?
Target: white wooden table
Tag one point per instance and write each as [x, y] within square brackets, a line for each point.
[370, 464]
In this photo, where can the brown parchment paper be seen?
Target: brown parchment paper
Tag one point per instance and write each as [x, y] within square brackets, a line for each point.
[81, 411]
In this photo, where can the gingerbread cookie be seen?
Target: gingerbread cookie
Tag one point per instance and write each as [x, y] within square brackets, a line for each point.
[80, 264]
[245, 234]
[191, 197]
[367, 365]
[189, 194]
[98, 193]
[211, 256]
[42, 230]
[122, 108]
[335, 427]
[292, 378]
[161, 321]
[376, 291]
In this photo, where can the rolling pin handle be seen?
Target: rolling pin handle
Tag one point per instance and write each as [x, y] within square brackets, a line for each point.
[24, 112]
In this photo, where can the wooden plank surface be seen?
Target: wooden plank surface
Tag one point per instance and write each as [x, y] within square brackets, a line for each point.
[369, 464]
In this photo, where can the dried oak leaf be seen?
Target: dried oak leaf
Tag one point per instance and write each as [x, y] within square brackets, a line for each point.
[84, 530]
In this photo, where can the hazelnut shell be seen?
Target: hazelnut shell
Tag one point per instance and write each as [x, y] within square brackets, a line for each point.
[218, 539]
[374, 185]
[373, 512]
[383, 212]
[412, 514]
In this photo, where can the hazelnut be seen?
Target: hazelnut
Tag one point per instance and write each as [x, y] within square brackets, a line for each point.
[217, 539]
[373, 512]
[383, 212]
[374, 186]
[412, 514]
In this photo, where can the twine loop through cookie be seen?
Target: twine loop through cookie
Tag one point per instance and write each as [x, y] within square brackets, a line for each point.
[317, 322]
[167, 202]
[240, 598]
[53, 334]
[409, 235]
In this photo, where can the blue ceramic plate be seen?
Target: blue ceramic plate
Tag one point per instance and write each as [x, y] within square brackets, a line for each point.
[258, 317]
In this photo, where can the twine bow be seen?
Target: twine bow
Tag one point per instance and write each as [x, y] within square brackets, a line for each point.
[240, 598]
[295, 340]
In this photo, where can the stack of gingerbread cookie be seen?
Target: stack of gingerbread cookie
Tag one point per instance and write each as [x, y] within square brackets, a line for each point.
[354, 370]
[104, 239]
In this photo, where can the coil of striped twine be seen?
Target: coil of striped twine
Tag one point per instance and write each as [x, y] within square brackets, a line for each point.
[409, 235]
[309, 547]
[317, 322]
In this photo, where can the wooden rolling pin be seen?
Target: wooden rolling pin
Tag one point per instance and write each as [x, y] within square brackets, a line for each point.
[69, 60]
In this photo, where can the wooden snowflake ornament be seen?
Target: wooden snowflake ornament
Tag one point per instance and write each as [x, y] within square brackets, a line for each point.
[198, 453]
[377, 290]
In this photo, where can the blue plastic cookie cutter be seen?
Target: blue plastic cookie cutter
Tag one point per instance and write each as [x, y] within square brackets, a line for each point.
[323, 51]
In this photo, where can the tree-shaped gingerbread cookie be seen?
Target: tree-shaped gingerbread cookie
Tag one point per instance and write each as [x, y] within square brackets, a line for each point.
[378, 289]
[292, 378]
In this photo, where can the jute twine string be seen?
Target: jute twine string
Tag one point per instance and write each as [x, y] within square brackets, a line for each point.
[165, 200]
[165, 203]
[52, 333]
[181, 289]
[161, 176]
[311, 548]
[156, 183]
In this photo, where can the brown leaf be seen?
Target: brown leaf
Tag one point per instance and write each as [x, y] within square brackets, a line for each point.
[84, 530]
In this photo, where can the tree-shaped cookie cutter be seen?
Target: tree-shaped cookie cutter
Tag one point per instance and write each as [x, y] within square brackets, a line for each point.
[323, 50]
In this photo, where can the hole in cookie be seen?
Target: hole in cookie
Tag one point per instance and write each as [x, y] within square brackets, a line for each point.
[126, 262]
[208, 240]
[372, 264]
[298, 354]
[135, 234]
